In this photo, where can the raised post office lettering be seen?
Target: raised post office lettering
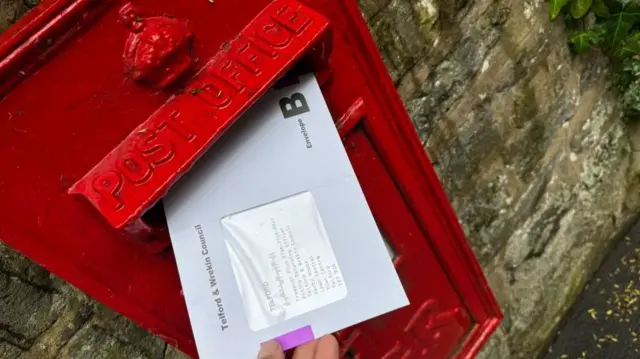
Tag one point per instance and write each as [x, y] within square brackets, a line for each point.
[178, 124]
[147, 163]
[274, 35]
[155, 147]
[229, 71]
[293, 19]
[249, 57]
[134, 168]
[263, 47]
[107, 186]
[213, 92]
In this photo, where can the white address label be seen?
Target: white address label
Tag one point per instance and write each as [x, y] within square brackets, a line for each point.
[282, 260]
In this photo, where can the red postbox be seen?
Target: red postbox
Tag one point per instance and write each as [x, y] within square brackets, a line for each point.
[106, 104]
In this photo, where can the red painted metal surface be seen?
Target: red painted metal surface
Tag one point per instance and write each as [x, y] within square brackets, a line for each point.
[139, 171]
[67, 105]
[158, 50]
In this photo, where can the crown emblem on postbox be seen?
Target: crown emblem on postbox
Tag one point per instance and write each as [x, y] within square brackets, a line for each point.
[157, 51]
[140, 170]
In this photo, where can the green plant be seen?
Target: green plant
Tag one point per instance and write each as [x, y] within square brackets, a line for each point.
[612, 26]
[629, 82]
[615, 29]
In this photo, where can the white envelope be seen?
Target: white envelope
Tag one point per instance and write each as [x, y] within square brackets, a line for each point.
[272, 234]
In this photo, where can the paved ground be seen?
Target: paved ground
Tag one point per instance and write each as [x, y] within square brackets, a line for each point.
[605, 321]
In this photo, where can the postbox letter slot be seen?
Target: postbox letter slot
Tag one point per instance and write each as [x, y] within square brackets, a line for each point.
[143, 167]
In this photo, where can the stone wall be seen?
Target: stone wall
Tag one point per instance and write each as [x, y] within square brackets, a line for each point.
[526, 137]
[528, 142]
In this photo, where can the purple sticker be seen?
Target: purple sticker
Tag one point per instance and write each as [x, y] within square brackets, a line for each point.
[296, 338]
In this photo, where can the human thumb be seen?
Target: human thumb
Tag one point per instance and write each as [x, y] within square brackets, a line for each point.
[271, 350]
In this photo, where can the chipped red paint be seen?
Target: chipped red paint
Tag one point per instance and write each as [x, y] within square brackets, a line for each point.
[69, 105]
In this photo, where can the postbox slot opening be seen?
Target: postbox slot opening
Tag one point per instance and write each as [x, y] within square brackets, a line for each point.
[153, 221]
[155, 217]
[323, 74]
[387, 243]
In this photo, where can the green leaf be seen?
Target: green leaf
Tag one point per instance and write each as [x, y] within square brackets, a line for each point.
[579, 8]
[631, 14]
[555, 6]
[582, 41]
[616, 31]
[600, 9]
[629, 47]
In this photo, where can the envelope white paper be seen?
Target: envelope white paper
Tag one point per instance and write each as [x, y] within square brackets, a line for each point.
[272, 234]
[283, 260]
